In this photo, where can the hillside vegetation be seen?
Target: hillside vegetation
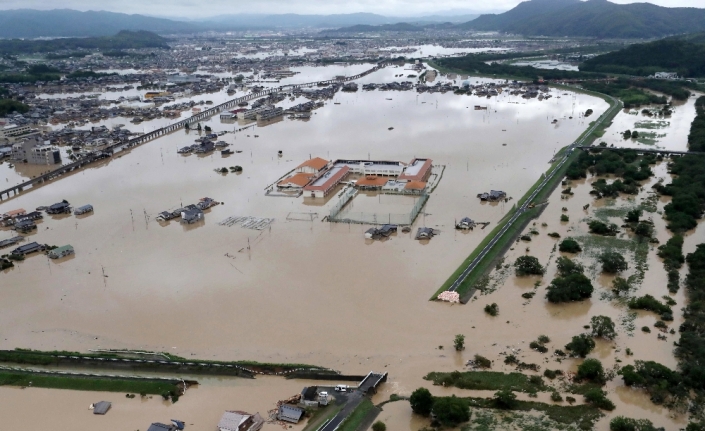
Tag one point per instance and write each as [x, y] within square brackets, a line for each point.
[593, 18]
[685, 56]
[123, 40]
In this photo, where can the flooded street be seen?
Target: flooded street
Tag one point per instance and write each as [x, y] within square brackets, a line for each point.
[310, 291]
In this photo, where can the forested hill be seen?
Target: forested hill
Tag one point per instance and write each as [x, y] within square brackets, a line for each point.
[683, 55]
[28, 23]
[593, 18]
[123, 40]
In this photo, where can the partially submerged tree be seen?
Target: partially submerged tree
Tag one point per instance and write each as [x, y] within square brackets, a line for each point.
[421, 401]
[592, 370]
[569, 245]
[612, 262]
[451, 411]
[581, 345]
[574, 287]
[459, 342]
[528, 265]
[603, 327]
[567, 266]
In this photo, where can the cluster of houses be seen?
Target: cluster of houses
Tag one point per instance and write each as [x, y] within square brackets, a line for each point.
[318, 177]
[204, 145]
[190, 213]
[390, 86]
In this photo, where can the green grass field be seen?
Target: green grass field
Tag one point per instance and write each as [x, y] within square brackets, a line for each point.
[8, 378]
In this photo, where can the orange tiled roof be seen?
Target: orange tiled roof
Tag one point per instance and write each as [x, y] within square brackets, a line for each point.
[297, 179]
[316, 163]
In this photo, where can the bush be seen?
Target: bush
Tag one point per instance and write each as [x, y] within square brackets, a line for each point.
[451, 411]
[644, 230]
[556, 397]
[564, 218]
[581, 345]
[634, 215]
[620, 285]
[649, 303]
[459, 342]
[538, 347]
[574, 287]
[550, 374]
[554, 235]
[567, 266]
[600, 228]
[543, 339]
[379, 426]
[658, 380]
[482, 362]
[528, 265]
[591, 369]
[603, 327]
[598, 398]
[646, 329]
[505, 399]
[612, 262]
[421, 401]
[492, 309]
[621, 423]
[569, 245]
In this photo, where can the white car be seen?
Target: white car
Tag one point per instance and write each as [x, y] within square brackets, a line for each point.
[342, 388]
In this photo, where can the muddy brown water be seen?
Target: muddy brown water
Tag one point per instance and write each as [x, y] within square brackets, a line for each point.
[310, 292]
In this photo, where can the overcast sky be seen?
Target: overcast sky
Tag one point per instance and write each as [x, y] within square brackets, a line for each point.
[200, 8]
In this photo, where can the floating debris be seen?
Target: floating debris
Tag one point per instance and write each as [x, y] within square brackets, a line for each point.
[247, 222]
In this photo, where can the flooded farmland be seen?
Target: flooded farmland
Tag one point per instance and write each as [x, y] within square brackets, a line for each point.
[303, 290]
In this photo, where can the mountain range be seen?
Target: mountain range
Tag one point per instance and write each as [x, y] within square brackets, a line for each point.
[592, 18]
[30, 23]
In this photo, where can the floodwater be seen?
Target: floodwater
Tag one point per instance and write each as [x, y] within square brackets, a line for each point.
[200, 408]
[304, 291]
[656, 132]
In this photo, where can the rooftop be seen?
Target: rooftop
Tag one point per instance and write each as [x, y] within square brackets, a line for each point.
[316, 163]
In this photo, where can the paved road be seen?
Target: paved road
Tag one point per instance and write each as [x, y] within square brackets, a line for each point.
[519, 211]
[354, 400]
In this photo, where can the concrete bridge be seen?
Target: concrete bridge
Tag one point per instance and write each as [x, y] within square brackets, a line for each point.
[92, 157]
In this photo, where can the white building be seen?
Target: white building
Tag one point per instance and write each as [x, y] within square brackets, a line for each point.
[13, 130]
[36, 151]
[665, 75]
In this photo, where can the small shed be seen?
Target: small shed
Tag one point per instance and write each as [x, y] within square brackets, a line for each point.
[101, 407]
[290, 413]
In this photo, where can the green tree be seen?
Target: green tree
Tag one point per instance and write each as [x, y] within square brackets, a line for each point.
[208, 129]
[574, 287]
[379, 426]
[621, 423]
[421, 401]
[643, 230]
[451, 411]
[505, 399]
[620, 285]
[612, 262]
[581, 345]
[567, 266]
[459, 342]
[603, 327]
[591, 369]
[634, 215]
[598, 398]
[528, 265]
[569, 245]
[199, 128]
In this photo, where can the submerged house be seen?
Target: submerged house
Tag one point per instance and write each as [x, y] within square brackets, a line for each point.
[101, 407]
[62, 207]
[492, 196]
[25, 226]
[425, 233]
[26, 249]
[83, 209]
[465, 223]
[190, 216]
[60, 252]
[240, 421]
